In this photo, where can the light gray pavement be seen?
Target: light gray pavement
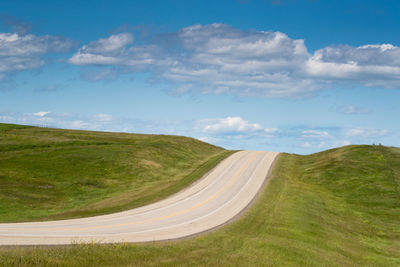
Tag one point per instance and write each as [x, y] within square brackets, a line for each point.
[212, 201]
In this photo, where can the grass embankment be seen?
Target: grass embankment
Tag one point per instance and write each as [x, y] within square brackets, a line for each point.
[56, 174]
[335, 208]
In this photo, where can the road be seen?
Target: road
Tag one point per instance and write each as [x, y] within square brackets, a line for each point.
[213, 201]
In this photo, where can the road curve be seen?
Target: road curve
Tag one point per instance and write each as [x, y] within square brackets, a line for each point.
[212, 201]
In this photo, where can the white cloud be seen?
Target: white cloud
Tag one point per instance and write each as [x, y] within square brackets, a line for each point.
[214, 58]
[41, 113]
[222, 59]
[369, 65]
[24, 52]
[218, 58]
[113, 44]
[232, 132]
[229, 125]
[85, 59]
[105, 51]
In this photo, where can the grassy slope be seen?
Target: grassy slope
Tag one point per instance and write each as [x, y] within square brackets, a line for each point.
[54, 173]
[335, 208]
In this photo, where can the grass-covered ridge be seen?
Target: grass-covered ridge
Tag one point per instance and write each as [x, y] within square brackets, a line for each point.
[335, 208]
[54, 173]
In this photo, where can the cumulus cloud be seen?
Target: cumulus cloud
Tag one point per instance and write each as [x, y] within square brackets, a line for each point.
[369, 65]
[215, 58]
[229, 125]
[23, 52]
[218, 58]
[233, 132]
[233, 125]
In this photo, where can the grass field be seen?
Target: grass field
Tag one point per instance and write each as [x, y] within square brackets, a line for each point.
[56, 174]
[335, 208]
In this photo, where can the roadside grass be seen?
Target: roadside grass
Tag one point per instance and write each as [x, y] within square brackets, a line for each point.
[56, 174]
[334, 208]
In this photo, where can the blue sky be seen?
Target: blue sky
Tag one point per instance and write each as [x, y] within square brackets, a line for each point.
[295, 76]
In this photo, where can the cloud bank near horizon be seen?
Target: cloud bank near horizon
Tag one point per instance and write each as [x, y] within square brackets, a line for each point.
[226, 131]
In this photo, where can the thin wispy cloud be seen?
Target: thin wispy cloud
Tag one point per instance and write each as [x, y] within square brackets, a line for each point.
[16, 25]
[41, 113]
[366, 132]
[49, 88]
[314, 134]
[99, 75]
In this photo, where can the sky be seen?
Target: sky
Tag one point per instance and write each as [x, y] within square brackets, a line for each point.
[297, 76]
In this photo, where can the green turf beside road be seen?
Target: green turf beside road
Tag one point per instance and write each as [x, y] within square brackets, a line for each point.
[334, 208]
[56, 174]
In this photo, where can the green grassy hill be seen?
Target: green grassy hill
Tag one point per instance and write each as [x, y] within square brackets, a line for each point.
[335, 208]
[56, 174]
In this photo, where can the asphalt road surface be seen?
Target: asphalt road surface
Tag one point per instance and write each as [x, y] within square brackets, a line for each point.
[211, 202]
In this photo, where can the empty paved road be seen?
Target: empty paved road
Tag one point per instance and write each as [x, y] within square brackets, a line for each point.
[210, 202]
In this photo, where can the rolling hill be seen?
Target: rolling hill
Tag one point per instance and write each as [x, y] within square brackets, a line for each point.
[340, 207]
[57, 174]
